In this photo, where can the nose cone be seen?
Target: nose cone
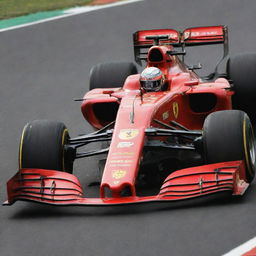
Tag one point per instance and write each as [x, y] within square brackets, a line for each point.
[123, 162]
[126, 147]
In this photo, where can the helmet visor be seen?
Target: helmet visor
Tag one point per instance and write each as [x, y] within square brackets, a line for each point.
[151, 85]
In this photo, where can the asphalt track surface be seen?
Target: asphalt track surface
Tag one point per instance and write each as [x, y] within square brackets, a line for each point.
[42, 68]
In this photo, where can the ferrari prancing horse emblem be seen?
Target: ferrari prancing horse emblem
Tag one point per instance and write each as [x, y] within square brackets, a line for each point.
[127, 134]
[175, 109]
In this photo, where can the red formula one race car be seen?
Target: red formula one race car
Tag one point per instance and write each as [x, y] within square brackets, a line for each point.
[169, 134]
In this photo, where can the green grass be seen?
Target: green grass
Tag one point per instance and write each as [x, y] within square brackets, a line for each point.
[14, 8]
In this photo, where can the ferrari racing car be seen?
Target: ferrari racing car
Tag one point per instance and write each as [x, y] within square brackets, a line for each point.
[164, 134]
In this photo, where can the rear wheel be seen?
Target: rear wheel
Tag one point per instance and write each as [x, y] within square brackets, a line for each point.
[228, 136]
[42, 146]
[111, 75]
[241, 70]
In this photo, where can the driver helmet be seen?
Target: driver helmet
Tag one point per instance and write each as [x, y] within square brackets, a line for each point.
[152, 79]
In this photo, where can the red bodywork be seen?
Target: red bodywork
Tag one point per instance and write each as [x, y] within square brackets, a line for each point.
[187, 101]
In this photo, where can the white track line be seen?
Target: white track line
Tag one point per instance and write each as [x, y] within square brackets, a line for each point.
[72, 12]
[242, 249]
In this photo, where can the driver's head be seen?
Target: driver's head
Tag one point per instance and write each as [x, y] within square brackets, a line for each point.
[152, 79]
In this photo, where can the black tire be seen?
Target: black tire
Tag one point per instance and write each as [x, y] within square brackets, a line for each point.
[228, 136]
[42, 146]
[111, 75]
[241, 69]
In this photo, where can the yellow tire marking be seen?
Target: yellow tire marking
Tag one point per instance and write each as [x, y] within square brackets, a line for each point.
[21, 146]
[64, 134]
[245, 147]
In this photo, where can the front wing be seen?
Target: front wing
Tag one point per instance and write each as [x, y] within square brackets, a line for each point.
[60, 188]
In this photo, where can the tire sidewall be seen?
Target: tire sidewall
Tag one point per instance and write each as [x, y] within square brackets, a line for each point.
[228, 136]
[42, 146]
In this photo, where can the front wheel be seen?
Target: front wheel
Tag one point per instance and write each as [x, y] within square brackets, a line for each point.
[42, 146]
[228, 136]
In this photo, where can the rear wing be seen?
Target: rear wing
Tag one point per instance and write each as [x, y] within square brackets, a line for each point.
[204, 35]
[144, 39]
